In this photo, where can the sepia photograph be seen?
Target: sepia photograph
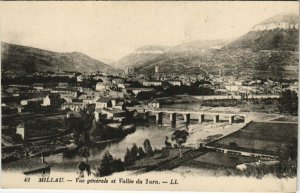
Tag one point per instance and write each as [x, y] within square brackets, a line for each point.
[160, 96]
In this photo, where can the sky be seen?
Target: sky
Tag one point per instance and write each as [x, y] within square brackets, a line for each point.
[114, 29]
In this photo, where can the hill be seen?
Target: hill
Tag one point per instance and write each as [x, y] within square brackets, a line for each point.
[18, 60]
[268, 50]
[140, 56]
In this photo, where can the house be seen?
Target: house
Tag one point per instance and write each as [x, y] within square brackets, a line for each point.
[136, 91]
[22, 131]
[117, 81]
[67, 98]
[64, 74]
[221, 92]
[103, 102]
[152, 83]
[38, 86]
[73, 114]
[80, 78]
[52, 100]
[175, 82]
[62, 85]
[120, 105]
[74, 106]
[20, 109]
[14, 91]
[88, 98]
[65, 92]
[154, 104]
[31, 102]
[111, 113]
[97, 114]
[232, 88]
[103, 86]
[121, 85]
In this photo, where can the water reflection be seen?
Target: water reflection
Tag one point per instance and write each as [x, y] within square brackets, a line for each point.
[156, 133]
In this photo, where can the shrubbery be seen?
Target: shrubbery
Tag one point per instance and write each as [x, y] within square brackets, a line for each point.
[109, 165]
[136, 153]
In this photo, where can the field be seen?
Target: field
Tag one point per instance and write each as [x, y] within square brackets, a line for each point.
[260, 137]
[220, 159]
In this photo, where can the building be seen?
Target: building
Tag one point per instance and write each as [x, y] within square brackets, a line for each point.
[120, 105]
[88, 98]
[74, 106]
[38, 86]
[31, 102]
[175, 82]
[152, 83]
[103, 103]
[97, 114]
[22, 131]
[232, 88]
[117, 81]
[65, 92]
[102, 86]
[63, 85]
[80, 78]
[14, 91]
[112, 113]
[64, 74]
[136, 91]
[121, 85]
[154, 104]
[52, 100]
[129, 70]
[220, 72]
[157, 73]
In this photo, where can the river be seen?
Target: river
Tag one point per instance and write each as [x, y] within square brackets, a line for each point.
[152, 131]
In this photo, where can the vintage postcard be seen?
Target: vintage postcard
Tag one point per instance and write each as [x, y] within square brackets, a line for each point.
[169, 96]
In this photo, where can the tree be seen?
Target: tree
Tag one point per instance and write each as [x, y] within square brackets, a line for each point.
[105, 166]
[84, 152]
[148, 148]
[128, 159]
[180, 137]
[288, 102]
[80, 124]
[110, 165]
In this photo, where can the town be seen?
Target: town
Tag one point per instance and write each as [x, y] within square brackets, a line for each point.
[49, 113]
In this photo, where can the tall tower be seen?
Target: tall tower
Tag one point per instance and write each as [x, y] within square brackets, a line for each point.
[157, 72]
[156, 69]
[221, 71]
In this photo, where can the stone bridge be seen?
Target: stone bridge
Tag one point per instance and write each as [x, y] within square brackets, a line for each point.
[159, 112]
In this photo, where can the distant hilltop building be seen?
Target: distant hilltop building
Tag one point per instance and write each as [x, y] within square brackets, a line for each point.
[150, 51]
[272, 26]
[157, 73]
[129, 70]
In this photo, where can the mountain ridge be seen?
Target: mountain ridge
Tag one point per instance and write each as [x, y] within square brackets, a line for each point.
[265, 53]
[19, 59]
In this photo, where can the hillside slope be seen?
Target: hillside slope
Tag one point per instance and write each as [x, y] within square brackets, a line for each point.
[269, 50]
[16, 59]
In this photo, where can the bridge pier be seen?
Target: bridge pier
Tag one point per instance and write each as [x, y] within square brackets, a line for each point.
[201, 118]
[216, 118]
[173, 118]
[187, 118]
[158, 117]
[231, 119]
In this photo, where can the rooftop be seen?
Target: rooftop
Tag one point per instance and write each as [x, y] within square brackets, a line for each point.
[104, 100]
